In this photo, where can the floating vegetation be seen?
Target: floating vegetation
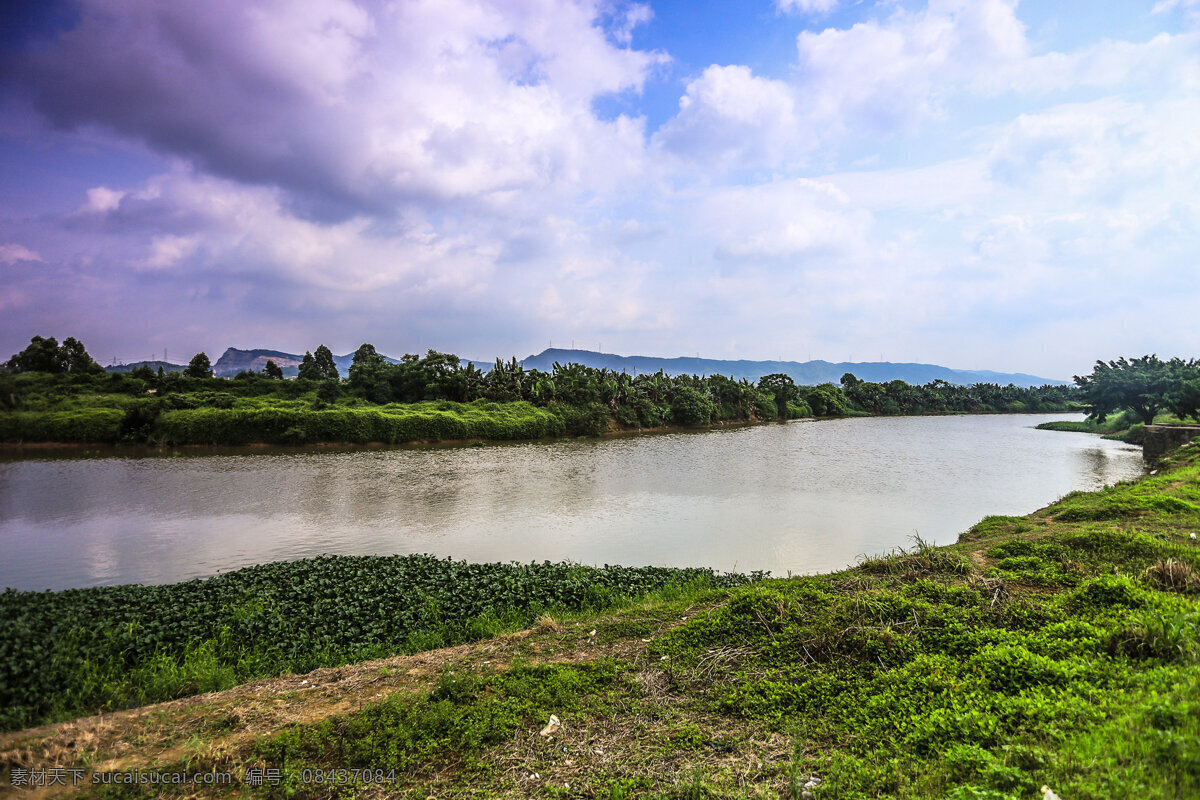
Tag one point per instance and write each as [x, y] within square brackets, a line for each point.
[84, 650]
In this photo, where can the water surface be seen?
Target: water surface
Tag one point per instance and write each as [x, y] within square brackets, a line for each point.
[805, 496]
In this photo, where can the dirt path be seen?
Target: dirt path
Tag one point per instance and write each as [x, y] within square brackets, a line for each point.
[215, 727]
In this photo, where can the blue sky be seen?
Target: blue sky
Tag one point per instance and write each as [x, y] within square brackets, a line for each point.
[978, 184]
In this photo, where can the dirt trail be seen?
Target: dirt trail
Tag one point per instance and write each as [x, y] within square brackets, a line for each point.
[219, 725]
[159, 734]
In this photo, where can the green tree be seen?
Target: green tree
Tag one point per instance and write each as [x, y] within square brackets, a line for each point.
[40, 356]
[198, 367]
[272, 370]
[826, 400]
[323, 358]
[782, 387]
[691, 407]
[867, 396]
[47, 355]
[442, 373]
[1141, 385]
[371, 375]
[328, 392]
[1185, 399]
[75, 359]
[308, 368]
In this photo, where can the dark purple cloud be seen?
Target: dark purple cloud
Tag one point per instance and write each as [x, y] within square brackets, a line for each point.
[187, 79]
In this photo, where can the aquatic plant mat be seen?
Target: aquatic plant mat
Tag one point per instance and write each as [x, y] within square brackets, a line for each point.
[1058, 649]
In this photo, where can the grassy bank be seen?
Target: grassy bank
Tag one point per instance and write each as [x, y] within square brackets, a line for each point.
[1056, 649]
[1124, 426]
[437, 399]
[276, 421]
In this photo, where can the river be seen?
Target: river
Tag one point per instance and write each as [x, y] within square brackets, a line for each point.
[801, 497]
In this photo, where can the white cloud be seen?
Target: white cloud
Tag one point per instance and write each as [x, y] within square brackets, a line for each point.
[630, 18]
[883, 76]
[438, 166]
[12, 253]
[806, 6]
[1189, 7]
[101, 199]
[784, 220]
[348, 106]
[167, 251]
[729, 114]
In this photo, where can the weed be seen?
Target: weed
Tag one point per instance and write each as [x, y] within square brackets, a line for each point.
[1172, 575]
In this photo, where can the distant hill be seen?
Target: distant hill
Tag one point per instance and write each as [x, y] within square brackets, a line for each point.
[167, 366]
[233, 361]
[805, 373]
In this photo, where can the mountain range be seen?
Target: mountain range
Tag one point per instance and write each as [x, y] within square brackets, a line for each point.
[804, 373]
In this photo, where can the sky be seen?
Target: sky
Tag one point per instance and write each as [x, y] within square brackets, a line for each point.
[979, 184]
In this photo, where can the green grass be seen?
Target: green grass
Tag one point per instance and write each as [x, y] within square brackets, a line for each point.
[464, 714]
[275, 421]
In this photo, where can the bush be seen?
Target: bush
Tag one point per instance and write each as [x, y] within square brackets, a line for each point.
[798, 410]
[691, 407]
[76, 425]
[826, 400]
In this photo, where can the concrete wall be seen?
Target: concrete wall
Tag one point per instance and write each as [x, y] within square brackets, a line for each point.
[1162, 439]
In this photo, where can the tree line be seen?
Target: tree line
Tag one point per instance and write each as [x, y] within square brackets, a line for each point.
[1146, 386]
[589, 400]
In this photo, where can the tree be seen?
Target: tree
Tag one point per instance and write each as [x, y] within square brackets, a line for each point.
[46, 355]
[323, 358]
[370, 375]
[443, 380]
[198, 367]
[868, 396]
[782, 387]
[691, 407]
[308, 368]
[328, 392]
[1185, 400]
[272, 370]
[826, 400]
[75, 359]
[1140, 385]
[365, 354]
[40, 356]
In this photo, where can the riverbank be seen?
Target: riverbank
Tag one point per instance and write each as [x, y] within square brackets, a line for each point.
[440, 401]
[423, 424]
[613, 431]
[1058, 648]
[1124, 426]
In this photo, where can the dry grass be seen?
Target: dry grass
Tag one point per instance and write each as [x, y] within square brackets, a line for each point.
[1172, 575]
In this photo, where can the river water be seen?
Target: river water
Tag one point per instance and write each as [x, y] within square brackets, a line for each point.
[800, 497]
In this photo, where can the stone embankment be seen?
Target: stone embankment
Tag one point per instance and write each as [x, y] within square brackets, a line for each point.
[1162, 439]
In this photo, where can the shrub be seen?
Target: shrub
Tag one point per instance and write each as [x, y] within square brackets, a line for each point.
[691, 407]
